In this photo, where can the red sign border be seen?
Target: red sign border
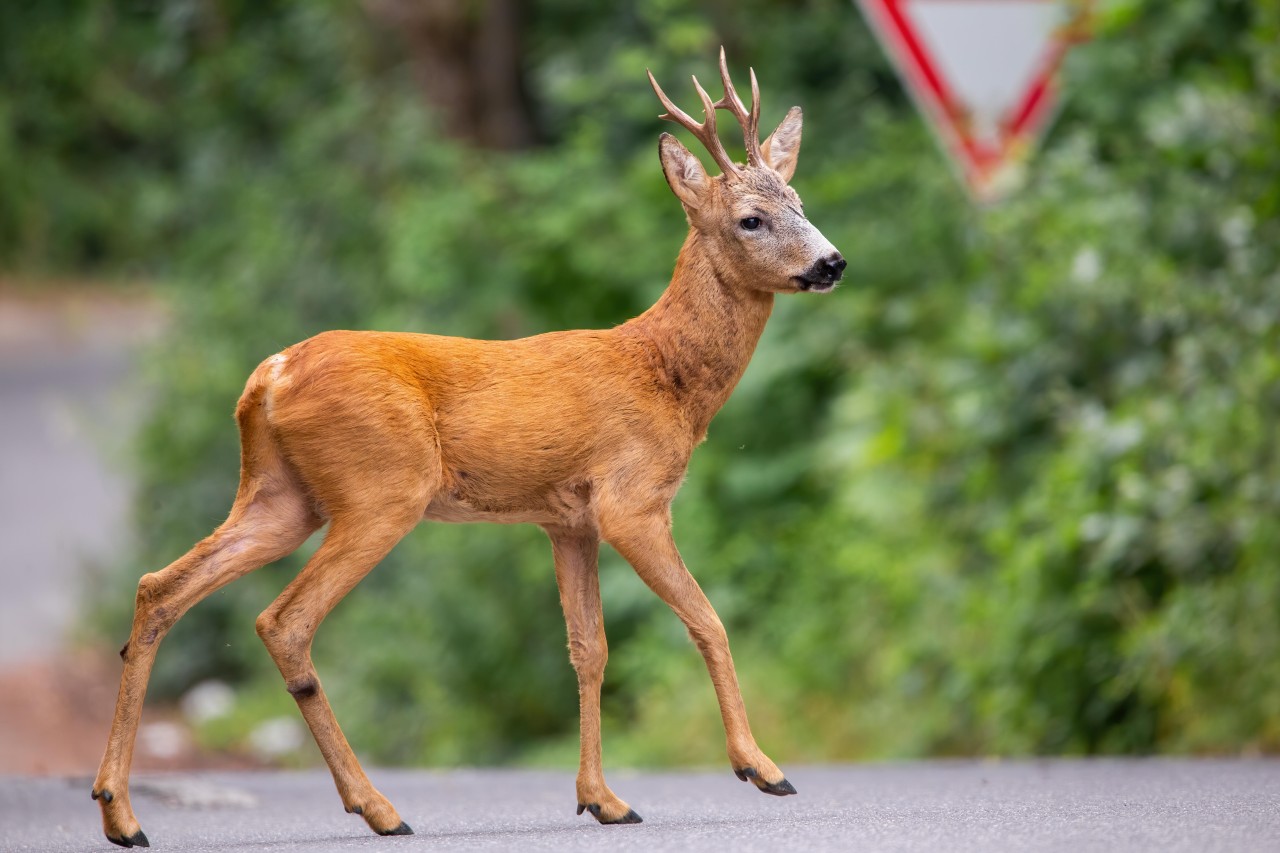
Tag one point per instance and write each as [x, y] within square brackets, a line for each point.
[982, 168]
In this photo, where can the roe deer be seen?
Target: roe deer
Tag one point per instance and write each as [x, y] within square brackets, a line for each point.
[587, 434]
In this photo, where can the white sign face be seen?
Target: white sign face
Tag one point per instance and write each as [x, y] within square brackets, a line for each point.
[982, 73]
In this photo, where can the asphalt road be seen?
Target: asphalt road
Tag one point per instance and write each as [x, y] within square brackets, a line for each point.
[66, 410]
[1127, 805]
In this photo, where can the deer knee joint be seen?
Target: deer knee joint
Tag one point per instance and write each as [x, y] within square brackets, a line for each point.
[588, 659]
[709, 636]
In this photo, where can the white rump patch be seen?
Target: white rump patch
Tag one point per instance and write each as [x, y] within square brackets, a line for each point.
[274, 380]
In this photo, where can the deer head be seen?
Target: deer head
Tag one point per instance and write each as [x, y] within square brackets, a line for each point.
[751, 222]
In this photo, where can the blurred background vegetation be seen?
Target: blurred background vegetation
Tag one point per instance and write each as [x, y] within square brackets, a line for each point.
[1013, 489]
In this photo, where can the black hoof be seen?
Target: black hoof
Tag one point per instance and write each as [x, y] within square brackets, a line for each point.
[778, 789]
[105, 795]
[402, 829]
[594, 808]
[138, 839]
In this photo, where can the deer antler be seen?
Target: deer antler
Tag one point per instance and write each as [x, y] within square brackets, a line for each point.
[704, 131]
[750, 122]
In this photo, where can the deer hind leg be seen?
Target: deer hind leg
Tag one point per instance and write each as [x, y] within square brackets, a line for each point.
[353, 546]
[577, 574]
[646, 544]
[265, 524]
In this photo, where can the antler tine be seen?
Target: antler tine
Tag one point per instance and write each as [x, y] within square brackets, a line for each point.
[705, 131]
[750, 122]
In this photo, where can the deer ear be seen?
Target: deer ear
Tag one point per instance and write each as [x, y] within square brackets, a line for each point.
[685, 175]
[782, 148]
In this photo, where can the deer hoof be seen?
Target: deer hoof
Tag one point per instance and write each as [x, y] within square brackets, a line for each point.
[402, 829]
[138, 839]
[104, 795]
[781, 788]
[594, 808]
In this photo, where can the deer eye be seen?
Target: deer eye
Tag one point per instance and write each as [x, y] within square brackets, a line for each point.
[751, 223]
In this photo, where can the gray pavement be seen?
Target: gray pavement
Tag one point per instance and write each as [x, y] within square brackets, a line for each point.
[65, 415]
[1125, 805]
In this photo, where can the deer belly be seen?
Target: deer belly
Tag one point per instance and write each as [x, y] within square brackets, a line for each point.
[567, 504]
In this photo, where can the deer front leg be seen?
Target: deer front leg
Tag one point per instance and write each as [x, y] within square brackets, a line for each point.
[646, 543]
[577, 575]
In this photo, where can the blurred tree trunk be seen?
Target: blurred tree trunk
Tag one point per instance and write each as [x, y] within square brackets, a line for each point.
[467, 57]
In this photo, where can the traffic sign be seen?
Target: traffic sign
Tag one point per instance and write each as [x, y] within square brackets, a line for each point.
[983, 73]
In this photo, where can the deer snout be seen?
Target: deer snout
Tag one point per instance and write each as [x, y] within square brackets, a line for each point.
[824, 273]
[833, 267]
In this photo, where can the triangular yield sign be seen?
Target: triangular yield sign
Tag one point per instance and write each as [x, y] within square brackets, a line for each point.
[983, 74]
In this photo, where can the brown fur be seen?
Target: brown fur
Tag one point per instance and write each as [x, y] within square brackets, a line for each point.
[585, 433]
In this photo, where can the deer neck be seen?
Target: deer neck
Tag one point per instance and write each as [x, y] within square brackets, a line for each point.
[705, 331]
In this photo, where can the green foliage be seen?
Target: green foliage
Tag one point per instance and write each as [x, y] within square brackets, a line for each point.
[1010, 490]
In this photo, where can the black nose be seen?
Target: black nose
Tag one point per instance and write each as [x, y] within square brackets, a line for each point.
[831, 268]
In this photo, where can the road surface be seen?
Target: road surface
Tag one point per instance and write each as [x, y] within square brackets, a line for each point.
[66, 410]
[71, 389]
[1127, 805]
